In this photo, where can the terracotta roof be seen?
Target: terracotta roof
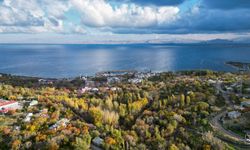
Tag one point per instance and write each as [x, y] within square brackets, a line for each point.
[4, 102]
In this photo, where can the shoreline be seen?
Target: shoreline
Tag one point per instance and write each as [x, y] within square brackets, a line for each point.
[109, 73]
[240, 66]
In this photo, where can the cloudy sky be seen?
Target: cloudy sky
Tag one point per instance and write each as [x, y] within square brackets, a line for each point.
[104, 21]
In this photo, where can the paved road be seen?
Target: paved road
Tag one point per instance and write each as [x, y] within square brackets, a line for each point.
[215, 122]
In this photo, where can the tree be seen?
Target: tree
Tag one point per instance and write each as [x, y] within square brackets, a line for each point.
[96, 115]
[182, 100]
[15, 144]
[188, 100]
[202, 105]
[173, 147]
[53, 145]
[82, 143]
[110, 117]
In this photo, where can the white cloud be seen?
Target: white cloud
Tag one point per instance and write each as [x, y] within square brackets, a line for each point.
[32, 16]
[99, 13]
[56, 8]
[78, 29]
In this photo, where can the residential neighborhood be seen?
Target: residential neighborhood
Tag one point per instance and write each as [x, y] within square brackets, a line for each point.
[92, 111]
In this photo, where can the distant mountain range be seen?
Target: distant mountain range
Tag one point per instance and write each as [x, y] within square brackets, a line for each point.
[218, 41]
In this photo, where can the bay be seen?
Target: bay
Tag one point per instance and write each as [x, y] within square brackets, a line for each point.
[73, 60]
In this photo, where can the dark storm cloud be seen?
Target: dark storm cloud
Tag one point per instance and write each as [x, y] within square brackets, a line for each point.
[212, 16]
[204, 21]
[226, 4]
[154, 2]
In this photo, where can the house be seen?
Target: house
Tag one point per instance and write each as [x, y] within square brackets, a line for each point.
[43, 113]
[97, 141]
[83, 90]
[114, 89]
[61, 123]
[33, 103]
[247, 90]
[245, 104]
[28, 117]
[234, 114]
[247, 136]
[17, 128]
[45, 81]
[229, 89]
[94, 90]
[6, 106]
[210, 81]
[83, 78]
[113, 80]
[238, 107]
[89, 83]
[135, 80]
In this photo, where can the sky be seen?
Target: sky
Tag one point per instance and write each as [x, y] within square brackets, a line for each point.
[123, 21]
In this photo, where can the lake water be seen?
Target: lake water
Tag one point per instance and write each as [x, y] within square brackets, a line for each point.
[74, 60]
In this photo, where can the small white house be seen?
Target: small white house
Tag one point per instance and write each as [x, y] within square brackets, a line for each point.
[114, 89]
[135, 80]
[245, 104]
[84, 90]
[211, 81]
[229, 89]
[113, 80]
[247, 136]
[28, 117]
[234, 114]
[97, 141]
[33, 103]
[247, 90]
[94, 90]
[61, 123]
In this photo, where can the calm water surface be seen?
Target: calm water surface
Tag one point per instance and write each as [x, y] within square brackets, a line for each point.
[74, 60]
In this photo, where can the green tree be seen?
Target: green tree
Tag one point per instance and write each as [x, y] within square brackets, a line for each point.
[182, 100]
[82, 143]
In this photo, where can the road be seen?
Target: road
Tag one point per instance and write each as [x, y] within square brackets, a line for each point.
[215, 121]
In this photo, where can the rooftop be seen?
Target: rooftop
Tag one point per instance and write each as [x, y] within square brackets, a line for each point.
[5, 102]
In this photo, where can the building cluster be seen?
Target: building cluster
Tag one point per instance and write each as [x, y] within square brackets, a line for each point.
[110, 78]
[45, 81]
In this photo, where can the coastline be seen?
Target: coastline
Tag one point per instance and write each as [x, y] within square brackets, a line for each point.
[109, 73]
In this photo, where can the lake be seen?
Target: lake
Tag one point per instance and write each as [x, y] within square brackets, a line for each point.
[74, 60]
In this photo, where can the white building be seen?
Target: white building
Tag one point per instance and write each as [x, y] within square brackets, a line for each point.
[245, 104]
[247, 90]
[229, 89]
[234, 114]
[113, 80]
[211, 81]
[84, 90]
[97, 141]
[94, 90]
[28, 117]
[114, 89]
[61, 123]
[247, 136]
[135, 80]
[34, 103]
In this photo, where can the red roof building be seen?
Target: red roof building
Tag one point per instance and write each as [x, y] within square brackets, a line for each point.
[5, 105]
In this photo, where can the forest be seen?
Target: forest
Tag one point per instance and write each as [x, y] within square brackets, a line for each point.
[165, 111]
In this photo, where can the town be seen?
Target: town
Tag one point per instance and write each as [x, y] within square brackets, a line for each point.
[126, 110]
